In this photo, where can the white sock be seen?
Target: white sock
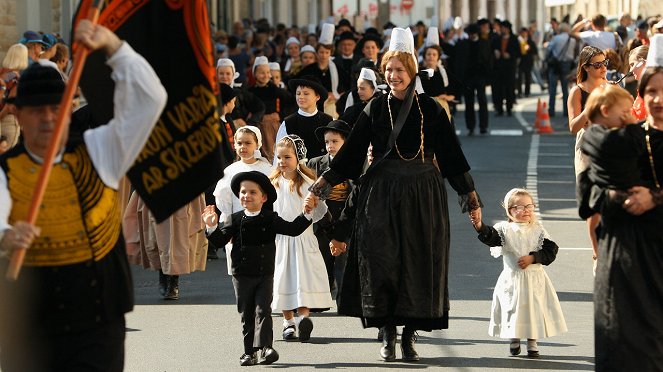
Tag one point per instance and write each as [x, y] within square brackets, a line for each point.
[298, 320]
[531, 345]
[288, 322]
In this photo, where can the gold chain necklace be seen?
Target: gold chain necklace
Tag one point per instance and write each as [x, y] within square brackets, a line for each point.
[651, 156]
[421, 130]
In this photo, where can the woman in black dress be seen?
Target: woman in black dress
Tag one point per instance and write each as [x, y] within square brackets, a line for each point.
[397, 270]
[628, 293]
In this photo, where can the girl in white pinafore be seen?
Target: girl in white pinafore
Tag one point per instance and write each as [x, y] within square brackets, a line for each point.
[300, 275]
[525, 303]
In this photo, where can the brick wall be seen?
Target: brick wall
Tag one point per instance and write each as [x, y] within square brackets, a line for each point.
[8, 32]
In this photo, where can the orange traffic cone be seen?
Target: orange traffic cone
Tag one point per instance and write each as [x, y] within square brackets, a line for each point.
[537, 118]
[545, 127]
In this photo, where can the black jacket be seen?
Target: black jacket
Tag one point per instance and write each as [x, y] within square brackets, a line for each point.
[254, 247]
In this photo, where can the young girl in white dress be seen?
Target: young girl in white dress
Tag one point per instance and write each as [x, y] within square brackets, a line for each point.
[525, 304]
[247, 145]
[300, 275]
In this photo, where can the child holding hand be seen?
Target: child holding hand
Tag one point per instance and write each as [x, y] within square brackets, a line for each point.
[525, 303]
[253, 231]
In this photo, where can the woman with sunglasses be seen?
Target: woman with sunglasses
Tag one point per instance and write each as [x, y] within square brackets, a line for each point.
[592, 67]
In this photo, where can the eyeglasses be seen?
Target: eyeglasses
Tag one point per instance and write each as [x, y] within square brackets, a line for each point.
[520, 208]
[598, 65]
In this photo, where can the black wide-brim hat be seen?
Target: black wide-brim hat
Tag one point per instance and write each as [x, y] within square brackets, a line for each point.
[334, 125]
[346, 35]
[258, 178]
[38, 86]
[370, 37]
[308, 81]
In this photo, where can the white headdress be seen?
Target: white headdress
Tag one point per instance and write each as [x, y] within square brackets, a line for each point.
[402, 40]
[433, 37]
[300, 147]
[307, 48]
[227, 62]
[274, 66]
[327, 34]
[655, 54]
[369, 75]
[292, 40]
[259, 61]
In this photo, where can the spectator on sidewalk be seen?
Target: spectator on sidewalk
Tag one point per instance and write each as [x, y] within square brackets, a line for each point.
[561, 47]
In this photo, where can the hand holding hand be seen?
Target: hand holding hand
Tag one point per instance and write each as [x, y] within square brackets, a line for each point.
[525, 261]
[311, 202]
[210, 217]
[475, 218]
[20, 236]
[337, 248]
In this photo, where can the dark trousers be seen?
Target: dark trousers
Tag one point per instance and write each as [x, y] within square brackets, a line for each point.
[98, 349]
[476, 85]
[505, 88]
[254, 301]
[524, 77]
[553, 77]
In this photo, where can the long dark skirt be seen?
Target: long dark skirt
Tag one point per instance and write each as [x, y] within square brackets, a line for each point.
[397, 268]
[628, 294]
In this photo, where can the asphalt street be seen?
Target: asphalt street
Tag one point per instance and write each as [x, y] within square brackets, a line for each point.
[202, 331]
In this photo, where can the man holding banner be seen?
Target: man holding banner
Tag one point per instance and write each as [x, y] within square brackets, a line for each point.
[66, 310]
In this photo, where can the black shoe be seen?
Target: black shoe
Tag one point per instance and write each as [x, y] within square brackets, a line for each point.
[290, 333]
[305, 328]
[470, 132]
[407, 345]
[483, 131]
[268, 356]
[248, 360]
[173, 290]
[509, 113]
[388, 349]
[532, 353]
[211, 254]
[163, 283]
[514, 348]
[380, 334]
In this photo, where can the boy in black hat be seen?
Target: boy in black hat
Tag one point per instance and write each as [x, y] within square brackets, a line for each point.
[254, 232]
[333, 136]
[309, 94]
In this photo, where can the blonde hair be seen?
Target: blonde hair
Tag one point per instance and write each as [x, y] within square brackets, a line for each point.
[16, 58]
[605, 95]
[298, 180]
[405, 58]
[509, 199]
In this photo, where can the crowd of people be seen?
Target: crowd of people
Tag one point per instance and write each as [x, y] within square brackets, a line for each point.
[339, 134]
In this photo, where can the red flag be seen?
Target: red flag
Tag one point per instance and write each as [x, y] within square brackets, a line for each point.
[188, 148]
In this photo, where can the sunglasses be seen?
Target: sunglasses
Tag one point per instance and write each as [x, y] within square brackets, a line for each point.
[598, 65]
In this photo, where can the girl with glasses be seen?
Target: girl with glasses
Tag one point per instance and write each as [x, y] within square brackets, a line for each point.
[591, 75]
[525, 304]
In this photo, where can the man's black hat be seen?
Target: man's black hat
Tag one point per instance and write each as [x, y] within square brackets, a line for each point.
[227, 93]
[347, 35]
[368, 37]
[258, 178]
[39, 85]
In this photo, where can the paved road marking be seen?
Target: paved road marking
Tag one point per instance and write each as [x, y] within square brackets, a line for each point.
[531, 180]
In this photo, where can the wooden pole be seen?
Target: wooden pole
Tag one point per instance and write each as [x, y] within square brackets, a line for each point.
[63, 114]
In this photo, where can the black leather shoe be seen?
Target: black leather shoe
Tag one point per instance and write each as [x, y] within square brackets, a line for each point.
[290, 333]
[173, 290]
[305, 328]
[248, 360]
[532, 353]
[514, 348]
[268, 356]
[163, 283]
[388, 349]
[407, 345]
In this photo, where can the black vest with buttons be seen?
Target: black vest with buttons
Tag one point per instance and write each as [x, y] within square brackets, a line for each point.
[254, 246]
[305, 128]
